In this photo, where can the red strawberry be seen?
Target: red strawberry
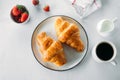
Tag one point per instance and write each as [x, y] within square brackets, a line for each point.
[24, 17]
[16, 11]
[46, 8]
[35, 2]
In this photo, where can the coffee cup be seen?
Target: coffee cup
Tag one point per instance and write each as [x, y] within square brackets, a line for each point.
[104, 51]
[106, 26]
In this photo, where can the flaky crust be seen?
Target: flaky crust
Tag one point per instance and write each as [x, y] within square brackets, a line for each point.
[68, 33]
[51, 50]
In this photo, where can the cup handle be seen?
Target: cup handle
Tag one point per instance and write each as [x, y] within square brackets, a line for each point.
[114, 63]
[113, 20]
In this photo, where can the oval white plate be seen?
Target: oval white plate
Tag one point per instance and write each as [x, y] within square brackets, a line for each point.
[73, 57]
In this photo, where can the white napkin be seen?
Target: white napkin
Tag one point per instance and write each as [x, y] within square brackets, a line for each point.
[86, 7]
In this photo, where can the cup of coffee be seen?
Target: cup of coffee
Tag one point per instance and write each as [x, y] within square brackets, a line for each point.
[104, 51]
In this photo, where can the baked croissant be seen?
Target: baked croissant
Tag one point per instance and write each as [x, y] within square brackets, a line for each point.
[68, 33]
[51, 50]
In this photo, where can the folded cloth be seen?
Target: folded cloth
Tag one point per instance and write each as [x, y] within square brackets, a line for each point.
[86, 7]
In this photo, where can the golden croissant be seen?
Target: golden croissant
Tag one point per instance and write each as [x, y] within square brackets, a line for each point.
[68, 33]
[51, 50]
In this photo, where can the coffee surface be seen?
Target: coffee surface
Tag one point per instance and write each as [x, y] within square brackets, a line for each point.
[104, 51]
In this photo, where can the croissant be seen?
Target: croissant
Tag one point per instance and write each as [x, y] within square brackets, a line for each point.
[68, 33]
[51, 50]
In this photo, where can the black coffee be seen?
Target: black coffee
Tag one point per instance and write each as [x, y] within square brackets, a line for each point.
[104, 51]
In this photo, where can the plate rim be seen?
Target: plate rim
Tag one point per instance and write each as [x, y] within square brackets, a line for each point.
[56, 69]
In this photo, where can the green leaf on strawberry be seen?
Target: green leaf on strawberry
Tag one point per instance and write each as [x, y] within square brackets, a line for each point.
[19, 7]
[22, 8]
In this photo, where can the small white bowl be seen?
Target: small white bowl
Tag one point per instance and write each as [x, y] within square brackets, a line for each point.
[12, 16]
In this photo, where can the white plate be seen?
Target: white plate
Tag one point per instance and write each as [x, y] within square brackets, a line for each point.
[73, 57]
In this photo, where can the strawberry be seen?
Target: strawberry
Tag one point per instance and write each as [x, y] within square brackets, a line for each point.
[24, 17]
[35, 2]
[16, 11]
[46, 8]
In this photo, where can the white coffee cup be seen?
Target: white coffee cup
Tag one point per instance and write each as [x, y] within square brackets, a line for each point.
[106, 26]
[101, 56]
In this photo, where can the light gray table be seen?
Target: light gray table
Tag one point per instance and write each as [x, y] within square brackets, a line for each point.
[16, 58]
